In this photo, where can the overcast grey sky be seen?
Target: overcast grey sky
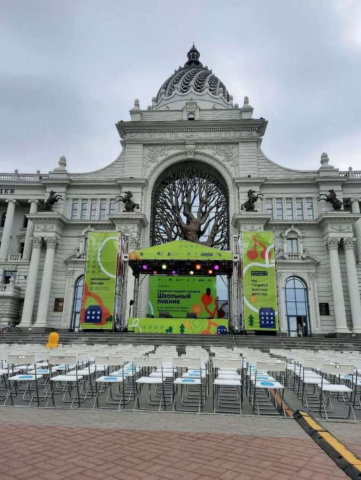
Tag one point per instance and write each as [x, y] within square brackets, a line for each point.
[70, 69]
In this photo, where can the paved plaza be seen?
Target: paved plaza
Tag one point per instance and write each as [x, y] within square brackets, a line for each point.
[39, 444]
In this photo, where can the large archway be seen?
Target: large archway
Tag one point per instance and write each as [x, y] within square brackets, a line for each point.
[190, 201]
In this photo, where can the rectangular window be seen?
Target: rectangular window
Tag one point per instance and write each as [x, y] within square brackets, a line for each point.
[84, 210]
[289, 209]
[292, 245]
[112, 207]
[299, 208]
[309, 207]
[21, 247]
[93, 210]
[58, 304]
[279, 209]
[269, 207]
[103, 209]
[74, 209]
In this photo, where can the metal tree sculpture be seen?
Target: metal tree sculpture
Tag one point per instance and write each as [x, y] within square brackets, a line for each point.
[190, 203]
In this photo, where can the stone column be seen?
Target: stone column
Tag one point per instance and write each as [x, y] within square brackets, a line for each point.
[31, 283]
[337, 291]
[5, 241]
[41, 319]
[29, 231]
[355, 208]
[353, 287]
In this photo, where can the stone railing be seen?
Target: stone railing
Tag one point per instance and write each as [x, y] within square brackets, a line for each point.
[9, 288]
[14, 257]
[293, 256]
[22, 177]
[351, 174]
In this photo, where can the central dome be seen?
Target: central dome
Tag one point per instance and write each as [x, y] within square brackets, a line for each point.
[193, 75]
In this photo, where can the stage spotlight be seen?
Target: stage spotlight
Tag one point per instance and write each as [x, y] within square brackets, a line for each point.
[144, 267]
[155, 272]
[191, 272]
[164, 266]
[210, 271]
[216, 267]
[198, 266]
[174, 272]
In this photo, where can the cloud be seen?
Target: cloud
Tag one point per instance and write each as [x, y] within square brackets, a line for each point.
[71, 70]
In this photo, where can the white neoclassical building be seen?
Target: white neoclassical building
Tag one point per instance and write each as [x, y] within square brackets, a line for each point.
[192, 126]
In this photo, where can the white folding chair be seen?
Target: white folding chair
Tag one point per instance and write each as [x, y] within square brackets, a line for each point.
[112, 377]
[227, 386]
[147, 365]
[20, 364]
[68, 380]
[193, 383]
[334, 387]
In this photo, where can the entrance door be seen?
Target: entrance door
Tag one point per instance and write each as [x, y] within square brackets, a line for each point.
[297, 326]
[297, 311]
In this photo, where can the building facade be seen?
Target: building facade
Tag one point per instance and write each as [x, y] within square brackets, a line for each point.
[192, 123]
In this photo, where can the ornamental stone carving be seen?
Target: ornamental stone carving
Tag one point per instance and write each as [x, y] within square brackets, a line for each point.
[225, 152]
[44, 228]
[349, 243]
[333, 243]
[51, 242]
[37, 242]
[341, 228]
[158, 151]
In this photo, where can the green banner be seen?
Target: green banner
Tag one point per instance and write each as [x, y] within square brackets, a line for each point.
[259, 281]
[178, 296]
[180, 250]
[100, 280]
[183, 326]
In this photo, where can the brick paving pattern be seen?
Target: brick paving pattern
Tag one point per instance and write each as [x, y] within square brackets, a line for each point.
[40, 452]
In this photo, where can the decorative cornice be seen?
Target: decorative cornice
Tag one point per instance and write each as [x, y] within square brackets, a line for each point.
[129, 218]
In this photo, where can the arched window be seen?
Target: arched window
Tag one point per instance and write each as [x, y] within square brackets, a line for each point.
[293, 244]
[190, 202]
[78, 295]
[3, 218]
[297, 311]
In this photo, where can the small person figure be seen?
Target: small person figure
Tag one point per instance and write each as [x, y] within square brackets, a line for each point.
[299, 330]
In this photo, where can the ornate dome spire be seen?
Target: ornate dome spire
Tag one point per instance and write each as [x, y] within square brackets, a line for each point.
[193, 58]
[193, 77]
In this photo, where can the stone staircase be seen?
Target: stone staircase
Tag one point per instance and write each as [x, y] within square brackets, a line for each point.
[256, 341]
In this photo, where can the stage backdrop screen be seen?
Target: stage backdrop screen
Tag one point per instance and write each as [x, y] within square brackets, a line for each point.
[181, 295]
[259, 281]
[100, 280]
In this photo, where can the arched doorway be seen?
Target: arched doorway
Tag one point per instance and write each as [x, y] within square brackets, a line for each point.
[77, 299]
[190, 202]
[296, 307]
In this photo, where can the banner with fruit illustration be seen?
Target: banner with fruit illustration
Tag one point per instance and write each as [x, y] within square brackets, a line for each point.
[259, 281]
[100, 280]
[179, 295]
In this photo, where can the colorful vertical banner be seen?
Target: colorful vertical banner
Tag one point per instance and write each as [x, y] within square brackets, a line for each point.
[100, 281]
[259, 281]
